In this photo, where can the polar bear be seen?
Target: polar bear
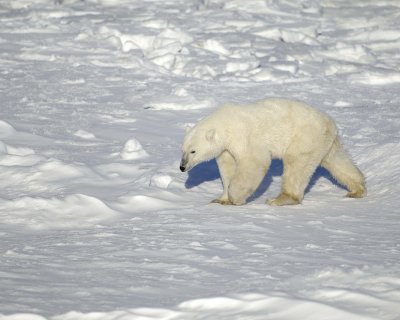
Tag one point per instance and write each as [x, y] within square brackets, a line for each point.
[244, 139]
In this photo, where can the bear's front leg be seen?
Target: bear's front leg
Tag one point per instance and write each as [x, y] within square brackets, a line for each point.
[227, 168]
[248, 176]
[239, 192]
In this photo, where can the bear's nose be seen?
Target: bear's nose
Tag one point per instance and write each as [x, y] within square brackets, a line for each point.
[182, 168]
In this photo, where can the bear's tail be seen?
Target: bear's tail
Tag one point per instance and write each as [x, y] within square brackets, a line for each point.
[342, 168]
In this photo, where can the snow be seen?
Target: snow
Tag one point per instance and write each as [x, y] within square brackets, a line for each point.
[97, 221]
[133, 150]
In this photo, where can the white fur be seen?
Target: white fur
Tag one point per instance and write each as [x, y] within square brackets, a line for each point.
[244, 139]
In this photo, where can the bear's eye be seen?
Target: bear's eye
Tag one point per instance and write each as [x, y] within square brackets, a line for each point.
[192, 151]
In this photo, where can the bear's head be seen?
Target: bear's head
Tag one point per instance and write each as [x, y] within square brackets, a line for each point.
[200, 144]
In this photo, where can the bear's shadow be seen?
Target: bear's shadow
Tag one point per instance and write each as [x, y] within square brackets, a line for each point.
[208, 171]
[205, 171]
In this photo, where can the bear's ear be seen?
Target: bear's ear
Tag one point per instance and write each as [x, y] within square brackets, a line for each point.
[210, 135]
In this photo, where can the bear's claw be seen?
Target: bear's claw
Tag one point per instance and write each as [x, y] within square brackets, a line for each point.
[284, 199]
[222, 201]
[359, 193]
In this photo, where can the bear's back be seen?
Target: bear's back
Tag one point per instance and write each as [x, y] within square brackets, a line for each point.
[274, 121]
[272, 110]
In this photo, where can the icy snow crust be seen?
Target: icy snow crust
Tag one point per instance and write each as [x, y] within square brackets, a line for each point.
[97, 222]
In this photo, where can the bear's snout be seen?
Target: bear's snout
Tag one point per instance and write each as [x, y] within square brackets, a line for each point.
[183, 164]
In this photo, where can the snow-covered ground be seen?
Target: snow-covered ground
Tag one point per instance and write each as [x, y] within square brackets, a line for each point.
[97, 221]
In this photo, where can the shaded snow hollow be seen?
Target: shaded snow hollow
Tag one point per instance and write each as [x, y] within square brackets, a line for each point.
[97, 222]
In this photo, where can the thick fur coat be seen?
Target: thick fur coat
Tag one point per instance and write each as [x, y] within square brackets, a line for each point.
[244, 139]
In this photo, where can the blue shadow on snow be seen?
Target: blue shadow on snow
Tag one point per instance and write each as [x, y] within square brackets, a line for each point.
[208, 171]
[205, 171]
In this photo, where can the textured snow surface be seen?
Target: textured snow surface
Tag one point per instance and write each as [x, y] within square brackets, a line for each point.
[98, 223]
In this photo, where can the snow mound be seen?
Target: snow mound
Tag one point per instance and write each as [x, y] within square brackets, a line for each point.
[6, 129]
[216, 47]
[254, 306]
[350, 53]
[382, 77]
[141, 203]
[161, 180]
[251, 6]
[180, 104]
[133, 150]
[72, 211]
[21, 316]
[83, 134]
[12, 160]
[246, 306]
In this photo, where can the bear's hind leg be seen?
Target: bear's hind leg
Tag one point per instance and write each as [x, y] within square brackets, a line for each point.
[339, 164]
[227, 167]
[296, 176]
